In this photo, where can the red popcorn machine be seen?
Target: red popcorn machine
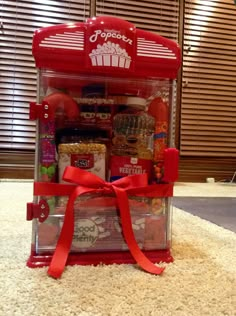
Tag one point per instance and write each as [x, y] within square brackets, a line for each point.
[105, 163]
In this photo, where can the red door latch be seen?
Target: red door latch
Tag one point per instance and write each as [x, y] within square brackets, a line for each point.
[40, 211]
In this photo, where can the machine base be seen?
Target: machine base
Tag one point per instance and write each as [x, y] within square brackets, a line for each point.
[96, 258]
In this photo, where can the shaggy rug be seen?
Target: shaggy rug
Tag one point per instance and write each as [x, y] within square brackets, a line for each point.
[201, 281]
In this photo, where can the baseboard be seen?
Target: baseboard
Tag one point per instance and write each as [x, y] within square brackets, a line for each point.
[197, 169]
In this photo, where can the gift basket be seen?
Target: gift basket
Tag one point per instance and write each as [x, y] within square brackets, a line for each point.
[105, 163]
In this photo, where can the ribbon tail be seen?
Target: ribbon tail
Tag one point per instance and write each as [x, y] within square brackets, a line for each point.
[138, 255]
[65, 239]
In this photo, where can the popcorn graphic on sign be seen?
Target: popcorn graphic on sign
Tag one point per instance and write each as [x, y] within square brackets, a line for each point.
[110, 54]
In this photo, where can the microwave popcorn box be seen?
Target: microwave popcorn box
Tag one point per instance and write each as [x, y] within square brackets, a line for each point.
[113, 56]
[88, 156]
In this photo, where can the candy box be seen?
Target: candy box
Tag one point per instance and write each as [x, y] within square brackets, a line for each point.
[98, 227]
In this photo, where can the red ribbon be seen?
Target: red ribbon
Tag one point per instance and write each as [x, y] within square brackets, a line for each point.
[135, 184]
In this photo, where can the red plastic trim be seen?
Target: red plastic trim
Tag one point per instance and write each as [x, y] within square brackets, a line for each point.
[40, 111]
[108, 46]
[40, 211]
[171, 165]
[96, 258]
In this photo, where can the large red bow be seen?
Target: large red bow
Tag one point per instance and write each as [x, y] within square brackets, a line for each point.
[90, 183]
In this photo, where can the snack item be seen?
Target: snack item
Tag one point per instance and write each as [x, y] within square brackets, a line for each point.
[48, 233]
[62, 106]
[47, 152]
[160, 110]
[96, 232]
[96, 112]
[155, 232]
[89, 156]
[132, 149]
[80, 135]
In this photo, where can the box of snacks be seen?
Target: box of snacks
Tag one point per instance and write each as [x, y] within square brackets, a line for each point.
[105, 162]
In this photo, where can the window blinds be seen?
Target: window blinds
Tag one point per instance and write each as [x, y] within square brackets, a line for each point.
[19, 20]
[208, 109]
[155, 16]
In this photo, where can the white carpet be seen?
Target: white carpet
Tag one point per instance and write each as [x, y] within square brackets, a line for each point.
[201, 281]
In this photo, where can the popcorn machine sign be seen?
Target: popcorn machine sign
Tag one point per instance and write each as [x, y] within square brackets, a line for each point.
[109, 34]
[111, 47]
